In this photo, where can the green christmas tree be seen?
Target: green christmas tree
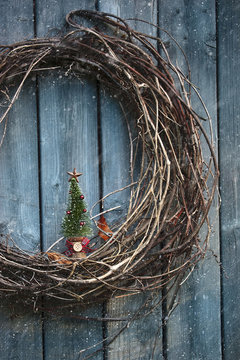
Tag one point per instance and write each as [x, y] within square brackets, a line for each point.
[76, 222]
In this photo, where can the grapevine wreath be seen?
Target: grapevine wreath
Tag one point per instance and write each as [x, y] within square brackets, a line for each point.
[157, 244]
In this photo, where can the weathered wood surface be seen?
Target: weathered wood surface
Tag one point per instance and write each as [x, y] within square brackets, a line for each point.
[143, 339]
[69, 138]
[62, 117]
[194, 329]
[19, 201]
[229, 141]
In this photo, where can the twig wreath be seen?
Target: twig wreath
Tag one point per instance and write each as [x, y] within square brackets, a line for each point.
[157, 244]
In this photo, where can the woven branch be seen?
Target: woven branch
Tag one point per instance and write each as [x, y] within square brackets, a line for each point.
[158, 242]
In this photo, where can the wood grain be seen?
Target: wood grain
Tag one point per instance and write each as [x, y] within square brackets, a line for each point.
[194, 329]
[68, 130]
[143, 339]
[20, 333]
[69, 138]
[228, 65]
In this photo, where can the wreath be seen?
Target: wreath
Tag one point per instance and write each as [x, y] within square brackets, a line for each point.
[157, 244]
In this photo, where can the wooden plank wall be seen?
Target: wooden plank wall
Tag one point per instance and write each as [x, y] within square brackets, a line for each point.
[229, 145]
[135, 342]
[69, 138]
[63, 117]
[193, 24]
[19, 202]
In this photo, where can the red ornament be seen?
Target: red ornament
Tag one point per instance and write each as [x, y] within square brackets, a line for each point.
[68, 252]
[68, 212]
[85, 248]
[84, 210]
[81, 197]
[82, 223]
[69, 245]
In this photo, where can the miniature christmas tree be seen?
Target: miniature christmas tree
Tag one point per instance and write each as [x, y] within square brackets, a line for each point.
[76, 223]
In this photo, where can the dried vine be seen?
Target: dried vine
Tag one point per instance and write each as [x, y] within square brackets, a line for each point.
[157, 244]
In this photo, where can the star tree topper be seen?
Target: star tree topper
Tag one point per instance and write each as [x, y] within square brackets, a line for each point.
[74, 175]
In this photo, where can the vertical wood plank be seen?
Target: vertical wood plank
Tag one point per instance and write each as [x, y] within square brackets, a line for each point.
[20, 332]
[143, 339]
[229, 139]
[69, 138]
[194, 330]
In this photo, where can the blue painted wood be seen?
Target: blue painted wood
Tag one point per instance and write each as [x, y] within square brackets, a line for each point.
[194, 329]
[143, 339]
[229, 139]
[20, 332]
[69, 138]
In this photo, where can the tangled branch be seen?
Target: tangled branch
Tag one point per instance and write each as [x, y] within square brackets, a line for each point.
[158, 242]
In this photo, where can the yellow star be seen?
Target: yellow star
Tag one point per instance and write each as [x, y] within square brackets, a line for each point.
[74, 175]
